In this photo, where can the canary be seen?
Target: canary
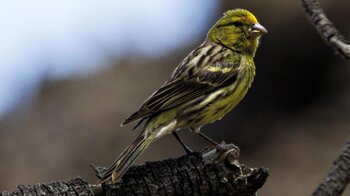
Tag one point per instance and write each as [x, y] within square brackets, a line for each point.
[204, 87]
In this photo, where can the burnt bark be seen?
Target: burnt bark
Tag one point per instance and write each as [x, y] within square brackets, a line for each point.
[188, 175]
[215, 171]
[76, 186]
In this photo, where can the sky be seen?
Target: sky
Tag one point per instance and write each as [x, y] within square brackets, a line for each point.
[41, 40]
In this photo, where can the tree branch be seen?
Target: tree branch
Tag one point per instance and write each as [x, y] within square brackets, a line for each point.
[212, 172]
[76, 186]
[325, 27]
[338, 177]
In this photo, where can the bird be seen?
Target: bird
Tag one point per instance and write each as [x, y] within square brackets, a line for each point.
[203, 88]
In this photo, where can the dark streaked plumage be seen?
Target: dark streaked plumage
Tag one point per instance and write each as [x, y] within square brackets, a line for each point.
[205, 86]
[192, 78]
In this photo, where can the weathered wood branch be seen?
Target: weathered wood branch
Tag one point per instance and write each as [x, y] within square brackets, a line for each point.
[335, 182]
[212, 172]
[338, 177]
[76, 186]
[326, 28]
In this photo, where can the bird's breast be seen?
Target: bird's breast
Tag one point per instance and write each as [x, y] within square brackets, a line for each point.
[231, 95]
[219, 103]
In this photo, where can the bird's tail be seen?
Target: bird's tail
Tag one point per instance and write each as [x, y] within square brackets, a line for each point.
[128, 156]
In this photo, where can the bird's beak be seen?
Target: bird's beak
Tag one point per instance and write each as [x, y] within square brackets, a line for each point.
[258, 30]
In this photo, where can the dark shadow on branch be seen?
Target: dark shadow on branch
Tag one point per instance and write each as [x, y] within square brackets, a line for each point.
[212, 172]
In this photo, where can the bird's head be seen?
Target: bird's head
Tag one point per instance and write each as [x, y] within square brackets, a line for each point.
[238, 30]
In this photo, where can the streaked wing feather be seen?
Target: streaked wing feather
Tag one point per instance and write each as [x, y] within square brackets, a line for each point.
[168, 95]
[186, 87]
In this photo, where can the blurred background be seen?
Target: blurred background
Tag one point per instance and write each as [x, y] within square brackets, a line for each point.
[71, 71]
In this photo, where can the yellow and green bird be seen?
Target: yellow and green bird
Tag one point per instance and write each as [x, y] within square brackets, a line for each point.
[204, 87]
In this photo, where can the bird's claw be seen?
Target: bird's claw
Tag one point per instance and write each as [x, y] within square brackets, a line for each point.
[222, 152]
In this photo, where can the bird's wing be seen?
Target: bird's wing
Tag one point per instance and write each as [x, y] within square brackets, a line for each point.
[188, 85]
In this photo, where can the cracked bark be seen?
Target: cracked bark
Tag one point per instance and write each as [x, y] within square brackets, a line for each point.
[212, 172]
[75, 186]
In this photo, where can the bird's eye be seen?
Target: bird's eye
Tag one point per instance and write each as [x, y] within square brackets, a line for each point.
[238, 24]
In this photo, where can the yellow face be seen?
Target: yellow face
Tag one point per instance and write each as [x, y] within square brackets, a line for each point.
[238, 30]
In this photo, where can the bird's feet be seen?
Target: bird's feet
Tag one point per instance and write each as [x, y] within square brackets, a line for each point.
[219, 146]
[223, 151]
